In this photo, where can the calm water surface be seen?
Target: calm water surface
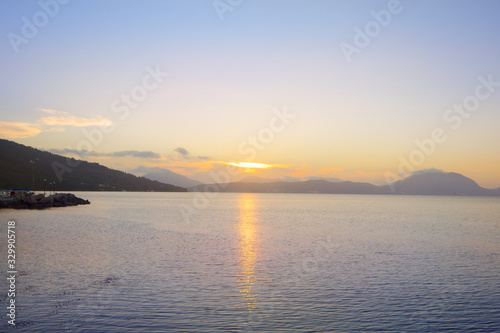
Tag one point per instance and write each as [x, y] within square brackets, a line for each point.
[169, 262]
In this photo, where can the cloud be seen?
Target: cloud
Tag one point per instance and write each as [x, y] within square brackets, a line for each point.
[136, 153]
[182, 151]
[12, 130]
[68, 151]
[124, 153]
[16, 130]
[52, 111]
[61, 118]
[184, 155]
[55, 129]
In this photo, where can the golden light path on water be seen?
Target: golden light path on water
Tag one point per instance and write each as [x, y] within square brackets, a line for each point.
[248, 232]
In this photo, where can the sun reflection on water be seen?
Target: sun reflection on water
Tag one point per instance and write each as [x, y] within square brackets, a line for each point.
[248, 251]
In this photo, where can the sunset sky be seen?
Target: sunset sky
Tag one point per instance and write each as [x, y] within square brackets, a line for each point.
[345, 89]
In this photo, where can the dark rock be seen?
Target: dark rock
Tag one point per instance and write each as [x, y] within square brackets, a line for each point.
[40, 201]
[39, 197]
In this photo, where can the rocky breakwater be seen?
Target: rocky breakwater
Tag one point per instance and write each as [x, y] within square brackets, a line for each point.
[40, 201]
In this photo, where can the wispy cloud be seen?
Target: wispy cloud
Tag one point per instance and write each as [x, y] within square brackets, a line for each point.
[183, 154]
[52, 111]
[14, 130]
[136, 153]
[123, 153]
[62, 118]
[55, 129]
[182, 151]
[59, 119]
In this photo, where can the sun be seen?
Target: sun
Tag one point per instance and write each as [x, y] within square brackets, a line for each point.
[250, 165]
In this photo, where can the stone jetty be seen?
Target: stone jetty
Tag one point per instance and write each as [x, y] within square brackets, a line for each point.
[41, 201]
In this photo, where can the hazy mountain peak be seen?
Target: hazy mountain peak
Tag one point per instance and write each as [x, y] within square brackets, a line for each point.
[79, 175]
[438, 183]
[329, 179]
[165, 176]
[425, 171]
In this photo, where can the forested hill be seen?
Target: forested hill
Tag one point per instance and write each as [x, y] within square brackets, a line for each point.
[68, 174]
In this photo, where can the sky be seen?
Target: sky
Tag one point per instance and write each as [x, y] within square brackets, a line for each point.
[357, 90]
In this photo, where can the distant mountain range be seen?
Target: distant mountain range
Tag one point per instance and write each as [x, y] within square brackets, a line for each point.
[432, 183]
[166, 176]
[308, 186]
[169, 177]
[17, 171]
[256, 179]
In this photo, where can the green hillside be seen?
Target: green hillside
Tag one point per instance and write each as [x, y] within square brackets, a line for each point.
[68, 174]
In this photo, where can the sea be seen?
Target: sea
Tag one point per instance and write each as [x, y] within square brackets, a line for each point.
[248, 262]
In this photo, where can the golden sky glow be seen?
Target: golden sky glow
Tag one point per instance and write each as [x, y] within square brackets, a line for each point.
[15, 130]
[352, 118]
[251, 165]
